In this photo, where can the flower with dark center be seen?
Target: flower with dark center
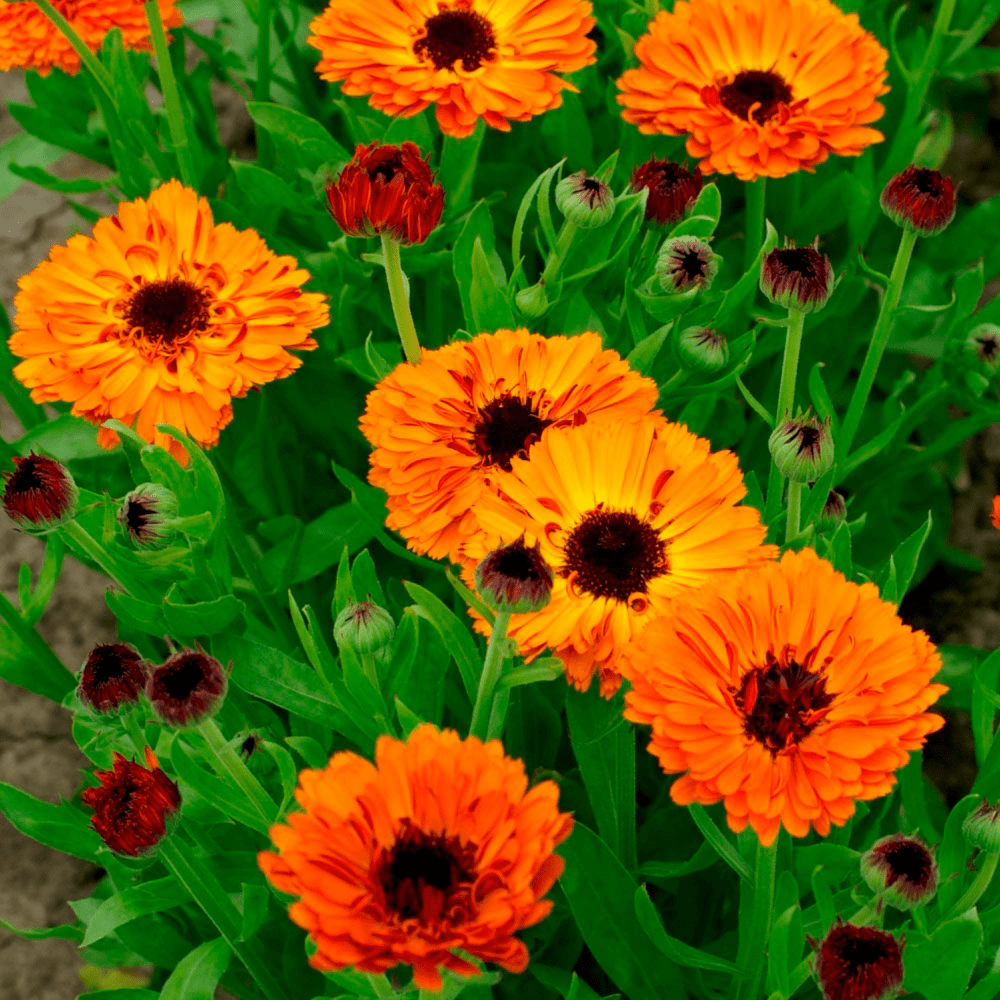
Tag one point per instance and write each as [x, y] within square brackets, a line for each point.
[702, 349]
[113, 677]
[834, 511]
[165, 315]
[40, 494]
[983, 345]
[507, 426]
[757, 94]
[685, 263]
[364, 627]
[132, 805]
[147, 515]
[859, 963]
[797, 277]
[802, 447]
[902, 870]
[472, 59]
[515, 578]
[920, 200]
[387, 189]
[187, 688]
[982, 827]
[437, 852]
[672, 188]
[587, 202]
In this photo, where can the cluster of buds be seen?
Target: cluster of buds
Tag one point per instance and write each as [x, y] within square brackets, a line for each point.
[802, 447]
[40, 494]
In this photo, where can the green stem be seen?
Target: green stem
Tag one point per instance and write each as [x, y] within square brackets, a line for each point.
[625, 789]
[754, 403]
[100, 74]
[498, 714]
[556, 261]
[880, 337]
[794, 511]
[130, 721]
[171, 95]
[400, 305]
[790, 365]
[979, 885]
[753, 952]
[262, 92]
[492, 668]
[231, 764]
[756, 196]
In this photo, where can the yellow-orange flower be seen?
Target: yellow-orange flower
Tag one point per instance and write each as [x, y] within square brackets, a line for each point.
[787, 692]
[161, 317]
[995, 512]
[628, 517]
[440, 427]
[471, 58]
[29, 40]
[437, 846]
[763, 87]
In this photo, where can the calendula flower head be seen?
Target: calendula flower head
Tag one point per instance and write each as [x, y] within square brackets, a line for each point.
[833, 512]
[113, 677]
[995, 512]
[920, 200]
[761, 87]
[364, 627]
[982, 827]
[902, 870]
[515, 578]
[187, 688]
[29, 40]
[147, 515]
[437, 846]
[161, 317]
[797, 277]
[983, 345]
[671, 186]
[586, 201]
[40, 494]
[132, 805]
[808, 691]
[628, 516]
[439, 428]
[471, 59]
[702, 349]
[387, 189]
[686, 262]
[802, 447]
[859, 963]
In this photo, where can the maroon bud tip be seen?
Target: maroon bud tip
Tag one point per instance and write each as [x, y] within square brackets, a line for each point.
[920, 200]
[515, 579]
[672, 187]
[187, 688]
[39, 495]
[797, 277]
[859, 963]
[902, 869]
[802, 447]
[113, 677]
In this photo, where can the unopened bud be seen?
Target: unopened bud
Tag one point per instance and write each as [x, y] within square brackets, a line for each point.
[920, 200]
[147, 514]
[672, 188]
[859, 963]
[833, 513]
[532, 302]
[802, 447]
[983, 344]
[515, 578]
[587, 202]
[187, 688]
[703, 349]
[113, 677]
[902, 869]
[364, 627]
[39, 495]
[686, 262]
[982, 827]
[797, 277]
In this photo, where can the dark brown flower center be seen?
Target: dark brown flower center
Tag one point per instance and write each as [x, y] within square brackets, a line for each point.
[859, 962]
[614, 554]
[909, 861]
[507, 426]
[927, 181]
[457, 34]
[137, 515]
[183, 677]
[804, 261]
[391, 163]
[109, 663]
[691, 264]
[754, 86]
[988, 347]
[167, 311]
[782, 703]
[519, 563]
[26, 476]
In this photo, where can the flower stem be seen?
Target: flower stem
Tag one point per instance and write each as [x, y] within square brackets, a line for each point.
[883, 327]
[232, 766]
[400, 305]
[794, 509]
[558, 258]
[979, 885]
[790, 364]
[171, 95]
[492, 667]
[130, 721]
[756, 197]
[100, 74]
[625, 791]
[753, 950]
[262, 92]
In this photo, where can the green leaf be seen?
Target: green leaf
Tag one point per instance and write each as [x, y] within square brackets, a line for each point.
[198, 973]
[68, 932]
[719, 843]
[63, 827]
[953, 853]
[939, 966]
[311, 750]
[469, 273]
[985, 678]
[548, 668]
[642, 356]
[895, 578]
[297, 135]
[28, 153]
[487, 303]
[255, 900]
[36, 175]
[784, 948]
[133, 902]
[703, 858]
[263, 187]
[203, 618]
[459, 158]
[66, 438]
[408, 721]
[136, 614]
[522, 214]
[123, 994]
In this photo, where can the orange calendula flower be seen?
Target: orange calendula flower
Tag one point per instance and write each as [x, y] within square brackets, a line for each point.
[787, 693]
[161, 317]
[437, 846]
[441, 427]
[472, 59]
[995, 512]
[763, 87]
[628, 516]
[29, 40]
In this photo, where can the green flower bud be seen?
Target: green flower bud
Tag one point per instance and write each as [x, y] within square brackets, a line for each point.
[532, 302]
[902, 869]
[515, 578]
[147, 515]
[703, 349]
[833, 513]
[983, 345]
[802, 448]
[684, 263]
[364, 627]
[587, 202]
[982, 827]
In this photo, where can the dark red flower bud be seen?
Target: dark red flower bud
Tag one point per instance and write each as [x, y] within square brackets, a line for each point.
[113, 677]
[797, 277]
[672, 187]
[187, 688]
[132, 804]
[387, 189]
[39, 494]
[920, 200]
[859, 963]
[515, 578]
[902, 869]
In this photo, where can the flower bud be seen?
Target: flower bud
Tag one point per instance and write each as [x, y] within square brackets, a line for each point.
[112, 678]
[802, 448]
[902, 869]
[532, 302]
[587, 202]
[147, 514]
[859, 963]
[515, 578]
[920, 200]
[686, 262]
[833, 512]
[39, 495]
[672, 187]
[982, 827]
[703, 349]
[187, 688]
[983, 344]
[797, 277]
[364, 627]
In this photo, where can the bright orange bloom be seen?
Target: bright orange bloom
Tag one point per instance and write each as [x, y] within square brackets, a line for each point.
[628, 516]
[29, 40]
[471, 58]
[161, 317]
[995, 513]
[442, 426]
[763, 87]
[437, 846]
[786, 692]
